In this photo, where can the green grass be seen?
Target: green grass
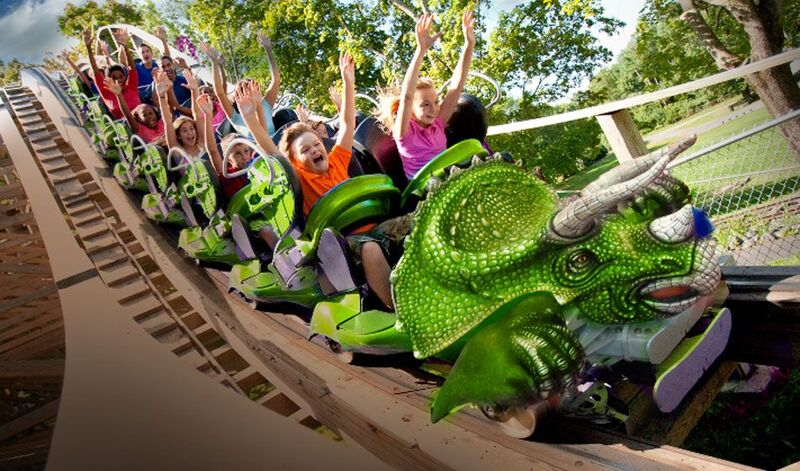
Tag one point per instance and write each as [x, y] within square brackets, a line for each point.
[738, 158]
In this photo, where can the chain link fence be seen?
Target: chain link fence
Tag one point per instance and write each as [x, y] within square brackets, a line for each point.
[749, 184]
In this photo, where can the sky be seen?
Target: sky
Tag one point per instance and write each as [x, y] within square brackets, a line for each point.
[28, 28]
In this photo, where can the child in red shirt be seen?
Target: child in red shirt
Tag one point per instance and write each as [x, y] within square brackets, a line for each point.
[128, 82]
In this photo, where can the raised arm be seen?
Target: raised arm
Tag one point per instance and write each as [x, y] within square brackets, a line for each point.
[271, 93]
[161, 33]
[74, 67]
[206, 106]
[255, 93]
[87, 40]
[116, 89]
[163, 87]
[220, 85]
[424, 42]
[462, 69]
[194, 86]
[347, 117]
[123, 39]
[247, 107]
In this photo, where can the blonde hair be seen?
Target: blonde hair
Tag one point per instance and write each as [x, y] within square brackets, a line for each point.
[180, 121]
[291, 134]
[390, 102]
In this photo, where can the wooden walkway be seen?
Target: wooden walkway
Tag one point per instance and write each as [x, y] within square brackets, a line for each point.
[31, 331]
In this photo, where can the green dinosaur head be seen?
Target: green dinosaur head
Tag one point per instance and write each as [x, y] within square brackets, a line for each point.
[624, 251]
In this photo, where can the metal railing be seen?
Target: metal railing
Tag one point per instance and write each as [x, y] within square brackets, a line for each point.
[749, 184]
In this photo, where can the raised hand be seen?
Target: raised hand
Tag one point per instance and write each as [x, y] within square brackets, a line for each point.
[244, 99]
[163, 82]
[87, 36]
[212, 54]
[182, 63]
[302, 113]
[255, 91]
[104, 48]
[161, 32]
[191, 80]
[122, 37]
[423, 32]
[336, 97]
[206, 104]
[113, 86]
[264, 40]
[347, 67]
[468, 27]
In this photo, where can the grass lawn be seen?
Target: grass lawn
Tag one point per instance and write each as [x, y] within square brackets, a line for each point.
[740, 159]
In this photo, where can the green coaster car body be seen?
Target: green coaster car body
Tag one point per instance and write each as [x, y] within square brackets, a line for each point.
[352, 203]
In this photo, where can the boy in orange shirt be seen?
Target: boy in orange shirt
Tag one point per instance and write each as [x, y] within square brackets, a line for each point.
[319, 171]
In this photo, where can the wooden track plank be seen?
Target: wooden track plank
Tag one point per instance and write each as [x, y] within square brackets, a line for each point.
[40, 293]
[32, 370]
[33, 418]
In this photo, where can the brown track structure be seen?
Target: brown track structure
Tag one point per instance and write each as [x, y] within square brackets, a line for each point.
[382, 407]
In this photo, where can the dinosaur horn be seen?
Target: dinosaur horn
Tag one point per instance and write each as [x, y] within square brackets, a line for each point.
[577, 218]
[635, 167]
[675, 227]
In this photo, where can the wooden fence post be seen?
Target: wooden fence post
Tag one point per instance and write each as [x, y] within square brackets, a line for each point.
[622, 135]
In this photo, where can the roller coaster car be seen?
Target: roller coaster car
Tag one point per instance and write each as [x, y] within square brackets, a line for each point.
[301, 274]
[534, 304]
[162, 203]
[129, 148]
[107, 134]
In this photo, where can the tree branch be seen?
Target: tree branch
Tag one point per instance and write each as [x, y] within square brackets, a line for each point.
[722, 56]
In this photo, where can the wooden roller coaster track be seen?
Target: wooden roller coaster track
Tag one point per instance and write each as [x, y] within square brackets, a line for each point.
[381, 406]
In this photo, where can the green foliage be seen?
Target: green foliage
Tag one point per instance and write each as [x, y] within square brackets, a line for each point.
[76, 17]
[560, 150]
[545, 51]
[10, 72]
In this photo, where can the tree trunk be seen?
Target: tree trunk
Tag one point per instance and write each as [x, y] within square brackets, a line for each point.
[776, 87]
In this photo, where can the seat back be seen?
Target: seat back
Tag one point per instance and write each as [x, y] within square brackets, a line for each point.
[344, 205]
[469, 121]
[378, 151]
[283, 116]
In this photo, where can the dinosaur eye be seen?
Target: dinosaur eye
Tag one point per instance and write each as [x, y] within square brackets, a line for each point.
[580, 261]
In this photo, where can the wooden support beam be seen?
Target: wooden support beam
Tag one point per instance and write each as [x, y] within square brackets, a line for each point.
[32, 370]
[622, 135]
[35, 417]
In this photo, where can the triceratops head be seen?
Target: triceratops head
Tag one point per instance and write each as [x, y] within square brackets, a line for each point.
[626, 250]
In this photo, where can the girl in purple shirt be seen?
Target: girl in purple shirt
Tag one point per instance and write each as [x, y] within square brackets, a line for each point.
[415, 116]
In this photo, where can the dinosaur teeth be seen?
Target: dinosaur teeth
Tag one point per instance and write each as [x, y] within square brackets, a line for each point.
[518, 163]
[476, 160]
[497, 157]
[454, 170]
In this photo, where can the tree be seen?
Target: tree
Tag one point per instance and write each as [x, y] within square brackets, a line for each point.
[78, 17]
[762, 23]
[10, 72]
[546, 48]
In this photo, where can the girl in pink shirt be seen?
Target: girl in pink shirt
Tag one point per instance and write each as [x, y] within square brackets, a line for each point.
[144, 120]
[415, 116]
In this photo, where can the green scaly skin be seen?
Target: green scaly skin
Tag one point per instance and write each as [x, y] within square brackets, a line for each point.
[483, 272]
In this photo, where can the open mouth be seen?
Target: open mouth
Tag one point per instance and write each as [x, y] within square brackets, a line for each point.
[318, 160]
[670, 296]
